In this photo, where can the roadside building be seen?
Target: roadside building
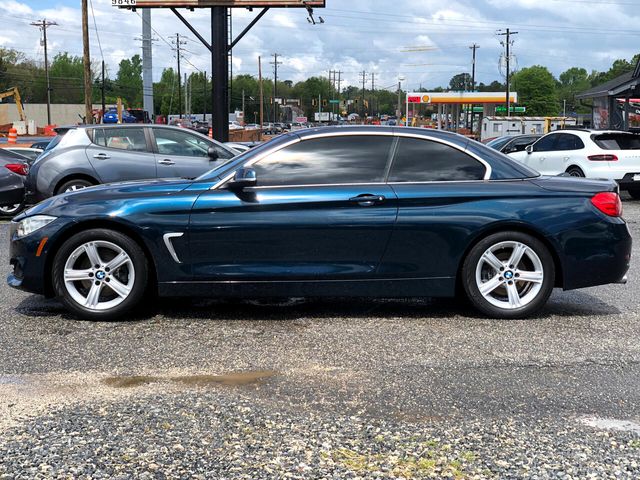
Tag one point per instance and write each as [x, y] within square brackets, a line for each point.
[615, 104]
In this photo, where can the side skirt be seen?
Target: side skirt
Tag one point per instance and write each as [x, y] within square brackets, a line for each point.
[387, 288]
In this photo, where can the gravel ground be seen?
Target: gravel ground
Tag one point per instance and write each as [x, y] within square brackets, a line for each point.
[323, 389]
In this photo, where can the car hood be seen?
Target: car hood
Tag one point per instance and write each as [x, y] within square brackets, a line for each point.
[101, 198]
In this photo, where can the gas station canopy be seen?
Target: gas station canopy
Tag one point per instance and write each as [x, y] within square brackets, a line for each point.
[461, 98]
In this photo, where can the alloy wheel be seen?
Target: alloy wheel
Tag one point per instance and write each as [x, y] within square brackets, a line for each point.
[99, 275]
[509, 275]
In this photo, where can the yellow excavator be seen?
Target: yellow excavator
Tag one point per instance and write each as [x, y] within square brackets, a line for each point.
[13, 92]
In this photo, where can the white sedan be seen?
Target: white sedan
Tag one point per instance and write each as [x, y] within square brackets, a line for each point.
[606, 154]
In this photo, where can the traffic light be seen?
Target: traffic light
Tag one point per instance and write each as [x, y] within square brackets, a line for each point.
[271, 100]
[355, 102]
[314, 102]
[324, 103]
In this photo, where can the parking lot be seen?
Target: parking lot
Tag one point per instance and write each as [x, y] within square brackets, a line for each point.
[328, 388]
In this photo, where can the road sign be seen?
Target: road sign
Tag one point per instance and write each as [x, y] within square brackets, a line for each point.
[301, 119]
[334, 101]
[512, 109]
[218, 3]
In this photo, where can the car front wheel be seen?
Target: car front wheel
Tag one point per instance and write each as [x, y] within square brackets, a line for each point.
[100, 274]
[509, 275]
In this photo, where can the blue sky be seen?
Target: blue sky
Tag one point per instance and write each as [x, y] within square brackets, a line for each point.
[426, 41]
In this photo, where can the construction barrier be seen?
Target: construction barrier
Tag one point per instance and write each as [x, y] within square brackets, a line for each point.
[211, 133]
[13, 136]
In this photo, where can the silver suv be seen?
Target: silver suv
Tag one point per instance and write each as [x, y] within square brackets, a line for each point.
[89, 155]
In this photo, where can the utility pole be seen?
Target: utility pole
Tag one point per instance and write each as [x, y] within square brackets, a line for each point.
[507, 45]
[243, 114]
[204, 98]
[147, 63]
[373, 91]
[86, 62]
[364, 86]
[399, 109]
[261, 97]
[275, 64]
[473, 47]
[102, 93]
[178, 43]
[43, 25]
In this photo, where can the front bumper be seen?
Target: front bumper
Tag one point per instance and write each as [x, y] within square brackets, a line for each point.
[30, 270]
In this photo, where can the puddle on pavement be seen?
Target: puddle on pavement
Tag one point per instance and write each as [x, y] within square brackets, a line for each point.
[232, 379]
[129, 382]
[611, 424]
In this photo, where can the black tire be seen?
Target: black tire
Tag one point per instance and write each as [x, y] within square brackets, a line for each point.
[635, 193]
[10, 211]
[537, 301]
[140, 278]
[576, 172]
[75, 184]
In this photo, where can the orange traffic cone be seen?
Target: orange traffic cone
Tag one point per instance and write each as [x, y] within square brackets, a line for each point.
[13, 136]
[211, 133]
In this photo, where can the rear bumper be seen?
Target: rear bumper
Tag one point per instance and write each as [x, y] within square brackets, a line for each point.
[628, 182]
[597, 254]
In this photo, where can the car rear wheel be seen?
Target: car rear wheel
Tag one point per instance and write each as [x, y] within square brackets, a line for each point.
[576, 172]
[509, 275]
[100, 274]
[73, 185]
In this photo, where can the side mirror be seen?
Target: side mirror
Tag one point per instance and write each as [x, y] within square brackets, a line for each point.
[529, 149]
[244, 177]
[213, 153]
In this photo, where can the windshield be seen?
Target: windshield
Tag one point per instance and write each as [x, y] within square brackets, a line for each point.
[617, 141]
[54, 142]
[498, 143]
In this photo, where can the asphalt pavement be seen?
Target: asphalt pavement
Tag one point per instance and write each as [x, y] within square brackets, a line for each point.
[331, 388]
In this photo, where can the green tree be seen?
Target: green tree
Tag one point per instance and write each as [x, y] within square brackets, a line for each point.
[128, 84]
[572, 82]
[460, 82]
[165, 93]
[537, 90]
[66, 75]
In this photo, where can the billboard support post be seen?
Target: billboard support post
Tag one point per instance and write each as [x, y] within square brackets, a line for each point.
[220, 81]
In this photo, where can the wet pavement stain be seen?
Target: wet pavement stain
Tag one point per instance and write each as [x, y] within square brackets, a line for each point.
[231, 379]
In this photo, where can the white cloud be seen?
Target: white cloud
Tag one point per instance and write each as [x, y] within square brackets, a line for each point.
[357, 35]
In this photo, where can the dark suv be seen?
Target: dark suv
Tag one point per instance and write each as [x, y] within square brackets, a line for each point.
[93, 154]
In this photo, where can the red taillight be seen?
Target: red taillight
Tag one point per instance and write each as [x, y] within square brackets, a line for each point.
[603, 158]
[19, 168]
[608, 203]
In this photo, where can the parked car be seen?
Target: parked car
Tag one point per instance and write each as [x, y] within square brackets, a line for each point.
[93, 154]
[235, 126]
[353, 211]
[242, 147]
[41, 145]
[512, 144]
[588, 153]
[142, 116]
[28, 153]
[13, 169]
[111, 116]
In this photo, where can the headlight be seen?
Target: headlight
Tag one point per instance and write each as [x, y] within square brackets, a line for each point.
[31, 224]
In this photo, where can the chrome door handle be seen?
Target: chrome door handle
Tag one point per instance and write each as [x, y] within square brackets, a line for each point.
[101, 156]
[166, 161]
[367, 200]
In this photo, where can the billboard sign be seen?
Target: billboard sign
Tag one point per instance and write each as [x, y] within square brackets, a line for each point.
[218, 3]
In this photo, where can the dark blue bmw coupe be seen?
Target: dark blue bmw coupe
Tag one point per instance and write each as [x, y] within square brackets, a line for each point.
[354, 211]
